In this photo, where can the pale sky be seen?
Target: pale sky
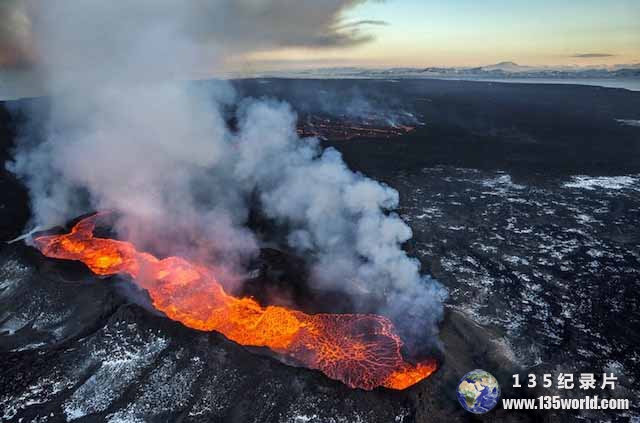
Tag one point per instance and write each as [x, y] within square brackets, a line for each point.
[248, 35]
[471, 32]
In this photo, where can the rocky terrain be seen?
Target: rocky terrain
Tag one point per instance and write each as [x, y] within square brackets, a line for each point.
[525, 209]
[76, 348]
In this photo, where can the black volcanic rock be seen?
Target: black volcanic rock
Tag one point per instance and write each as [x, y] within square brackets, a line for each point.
[555, 128]
[523, 201]
[79, 349]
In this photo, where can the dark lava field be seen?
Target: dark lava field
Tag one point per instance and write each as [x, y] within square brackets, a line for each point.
[524, 201]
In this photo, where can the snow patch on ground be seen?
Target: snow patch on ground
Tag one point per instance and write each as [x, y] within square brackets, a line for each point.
[603, 182]
[39, 392]
[12, 273]
[629, 122]
[502, 184]
[116, 373]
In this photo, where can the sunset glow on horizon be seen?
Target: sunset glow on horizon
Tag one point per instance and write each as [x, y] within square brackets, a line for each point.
[418, 33]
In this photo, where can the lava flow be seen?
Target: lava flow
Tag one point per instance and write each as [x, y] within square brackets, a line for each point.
[360, 350]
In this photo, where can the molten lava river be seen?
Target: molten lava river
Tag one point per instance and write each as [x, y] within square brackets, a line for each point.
[360, 350]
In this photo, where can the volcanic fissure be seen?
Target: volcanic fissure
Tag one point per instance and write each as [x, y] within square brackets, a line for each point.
[360, 350]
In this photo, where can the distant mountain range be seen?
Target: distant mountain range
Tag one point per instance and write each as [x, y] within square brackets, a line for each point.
[502, 70]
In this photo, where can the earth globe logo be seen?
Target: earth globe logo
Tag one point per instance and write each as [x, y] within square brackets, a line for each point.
[478, 391]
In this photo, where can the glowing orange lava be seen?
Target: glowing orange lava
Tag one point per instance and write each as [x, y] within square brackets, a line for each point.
[360, 350]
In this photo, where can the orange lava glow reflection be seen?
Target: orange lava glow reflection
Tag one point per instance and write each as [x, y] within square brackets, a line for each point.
[360, 350]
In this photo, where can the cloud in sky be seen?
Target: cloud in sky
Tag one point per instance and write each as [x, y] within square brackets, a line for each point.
[592, 55]
[16, 43]
[244, 32]
[218, 27]
[363, 22]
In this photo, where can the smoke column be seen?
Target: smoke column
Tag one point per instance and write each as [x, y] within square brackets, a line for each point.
[123, 134]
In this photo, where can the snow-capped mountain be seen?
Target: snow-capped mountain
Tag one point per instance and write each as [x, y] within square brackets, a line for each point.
[502, 70]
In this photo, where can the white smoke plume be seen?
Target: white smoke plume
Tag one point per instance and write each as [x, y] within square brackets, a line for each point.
[122, 134]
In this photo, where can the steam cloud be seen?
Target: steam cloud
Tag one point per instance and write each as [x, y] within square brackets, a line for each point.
[121, 135]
